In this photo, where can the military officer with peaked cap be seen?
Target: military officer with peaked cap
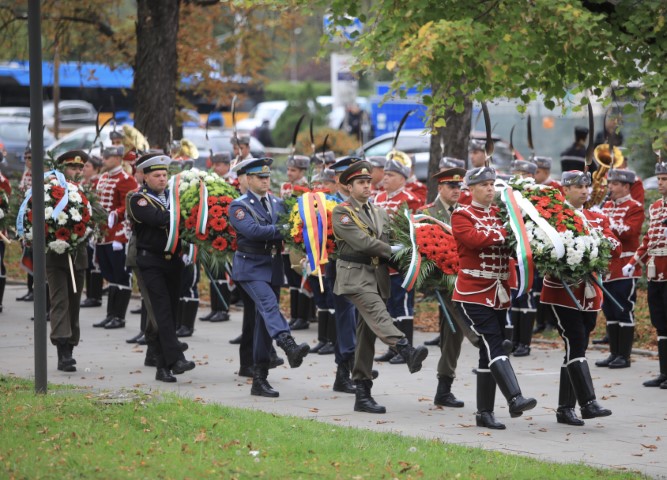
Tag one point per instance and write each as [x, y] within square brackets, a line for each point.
[160, 269]
[363, 278]
[258, 268]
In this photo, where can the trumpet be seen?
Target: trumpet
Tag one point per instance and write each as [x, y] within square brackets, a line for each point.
[606, 158]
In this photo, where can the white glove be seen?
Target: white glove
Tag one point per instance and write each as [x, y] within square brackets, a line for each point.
[117, 246]
[628, 270]
[111, 222]
[186, 260]
[396, 248]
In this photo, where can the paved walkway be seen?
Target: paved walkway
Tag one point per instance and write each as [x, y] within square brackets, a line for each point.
[634, 438]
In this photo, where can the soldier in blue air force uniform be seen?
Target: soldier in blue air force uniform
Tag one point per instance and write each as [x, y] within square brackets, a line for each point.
[258, 268]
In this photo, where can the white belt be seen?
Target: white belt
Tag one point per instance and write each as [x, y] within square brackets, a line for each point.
[485, 274]
[627, 254]
[658, 252]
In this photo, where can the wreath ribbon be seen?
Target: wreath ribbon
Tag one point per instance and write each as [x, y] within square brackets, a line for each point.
[416, 259]
[174, 213]
[60, 206]
[313, 213]
[524, 253]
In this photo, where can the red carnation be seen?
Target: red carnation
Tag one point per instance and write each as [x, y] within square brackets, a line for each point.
[224, 199]
[215, 211]
[202, 236]
[561, 227]
[80, 229]
[220, 244]
[57, 192]
[212, 200]
[191, 222]
[298, 238]
[218, 224]
[62, 234]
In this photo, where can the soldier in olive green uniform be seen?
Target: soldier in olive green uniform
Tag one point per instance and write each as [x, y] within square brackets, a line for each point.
[64, 298]
[449, 191]
[361, 233]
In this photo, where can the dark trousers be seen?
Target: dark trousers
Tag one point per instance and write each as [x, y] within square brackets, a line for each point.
[162, 281]
[112, 266]
[401, 303]
[247, 329]
[64, 310]
[625, 293]
[657, 306]
[269, 322]
[346, 318]
[575, 328]
[189, 290]
[489, 324]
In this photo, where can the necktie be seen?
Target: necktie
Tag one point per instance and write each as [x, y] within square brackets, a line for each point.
[265, 204]
[451, 209]
[367, 210]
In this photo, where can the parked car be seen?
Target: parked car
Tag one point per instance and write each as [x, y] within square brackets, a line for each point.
[336, 115]
[418, 143]
[80, 139]
[270, 111]
[15, 112]
[72, 114]
[15, 137]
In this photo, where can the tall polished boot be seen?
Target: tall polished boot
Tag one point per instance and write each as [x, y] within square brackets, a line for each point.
[111, 297]
[260, 385]
[612, 335]
[215, 304]
[330, 347]
[525, 334]
[567, 400]
[626, 336]
[188, 316]
[322, 320]
[65, 360]
[662, 357]
[295, 353]
[121, 300]
[503, 373]
[580, 375]
[406, 326]
[512, 329]
[486, 398]
[304, 309]
[364, 402]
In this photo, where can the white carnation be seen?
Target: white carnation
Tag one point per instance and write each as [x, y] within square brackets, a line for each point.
[202, 173]
[72, 188]
[209, 179]
[58, 246]
[28, 235]
[62, 218]
[48, 211]
[75, 197]
[75, 215]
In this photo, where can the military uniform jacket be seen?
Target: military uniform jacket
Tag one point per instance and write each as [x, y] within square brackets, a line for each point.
[392, 202]
[258, 240]
[587, 293]
[626, 218]
[5, 185]
[150, 221]
[653, 250]
[483, 257]
[112, 189]
[438, 210]
[466, 197]
[417, 188]
[359, 238]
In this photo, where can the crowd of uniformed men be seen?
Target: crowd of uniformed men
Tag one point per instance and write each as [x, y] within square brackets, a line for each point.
[363, 297]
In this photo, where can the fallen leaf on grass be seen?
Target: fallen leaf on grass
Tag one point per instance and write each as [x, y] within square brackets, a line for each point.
[201, 437]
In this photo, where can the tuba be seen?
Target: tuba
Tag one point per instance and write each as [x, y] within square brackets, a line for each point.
[133, 139]
[606, 161]
[186, 149]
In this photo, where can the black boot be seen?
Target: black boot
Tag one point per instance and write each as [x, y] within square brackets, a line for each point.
[260, 384]
[580, 375]
[330, 347]
[602, 341]
[406, 326]
[110, 310]
[364, 402]
[236, 340]
[70, 352]
[612, 335]
[343, 382]
[187, 321]
[413, 356]
[93, 290]
[275, 361]
[163, 374]
[121, 300]
[505, 377]
[385, 357]
[303, 312]
[150, 360]
[626, 335]
[511, 331]
[215, 304]
[567, 401]
[295, 353]
[3, 282]
[525, 334]
[293, 305]
[444, 396]
[322, 322]
[65, 360]
[486, 397]
[662, 358]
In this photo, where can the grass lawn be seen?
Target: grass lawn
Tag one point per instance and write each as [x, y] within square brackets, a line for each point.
[69, 433]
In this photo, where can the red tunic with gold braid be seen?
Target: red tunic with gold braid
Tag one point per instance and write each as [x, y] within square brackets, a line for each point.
[653, 250]
[483, 257]
[587, 292]
[626, 217]
[417, 188]
[392, 202]
[112, 188]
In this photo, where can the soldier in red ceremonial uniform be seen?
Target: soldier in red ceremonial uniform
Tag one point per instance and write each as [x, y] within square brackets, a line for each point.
[112, 190]
[575, 321]
[297, 166]
[482, 296]
[543, 173]
[626, 217]
[653, 253]
[401, 302]
[377, 174]
[94, 279]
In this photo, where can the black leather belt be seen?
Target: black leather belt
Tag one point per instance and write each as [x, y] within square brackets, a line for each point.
[363, 260]
[270, 250]
[148, 253]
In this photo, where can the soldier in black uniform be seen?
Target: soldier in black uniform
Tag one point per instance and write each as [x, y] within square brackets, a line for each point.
[161, 271]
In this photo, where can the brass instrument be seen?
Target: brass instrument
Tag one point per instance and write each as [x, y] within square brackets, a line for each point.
[185, 149]
[133, 139]
[606, 161]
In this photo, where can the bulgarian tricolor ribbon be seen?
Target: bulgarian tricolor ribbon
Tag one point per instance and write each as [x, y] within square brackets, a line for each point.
[524, 253]
[174, 213]
[313, 213]
[416, 260]
[202, 213]
[418, 217]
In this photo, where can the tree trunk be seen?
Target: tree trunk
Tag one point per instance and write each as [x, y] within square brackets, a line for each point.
[455, 136]
[156, 69]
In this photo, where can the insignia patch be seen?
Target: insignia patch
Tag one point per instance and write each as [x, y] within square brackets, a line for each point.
[240, 214]
[142, 202]
[345, 219]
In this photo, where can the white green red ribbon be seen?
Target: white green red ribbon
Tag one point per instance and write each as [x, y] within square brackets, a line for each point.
[174, 213]
[418, 217]
[524, 253]
[202, 212]
[551, 233]
[416, 260]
